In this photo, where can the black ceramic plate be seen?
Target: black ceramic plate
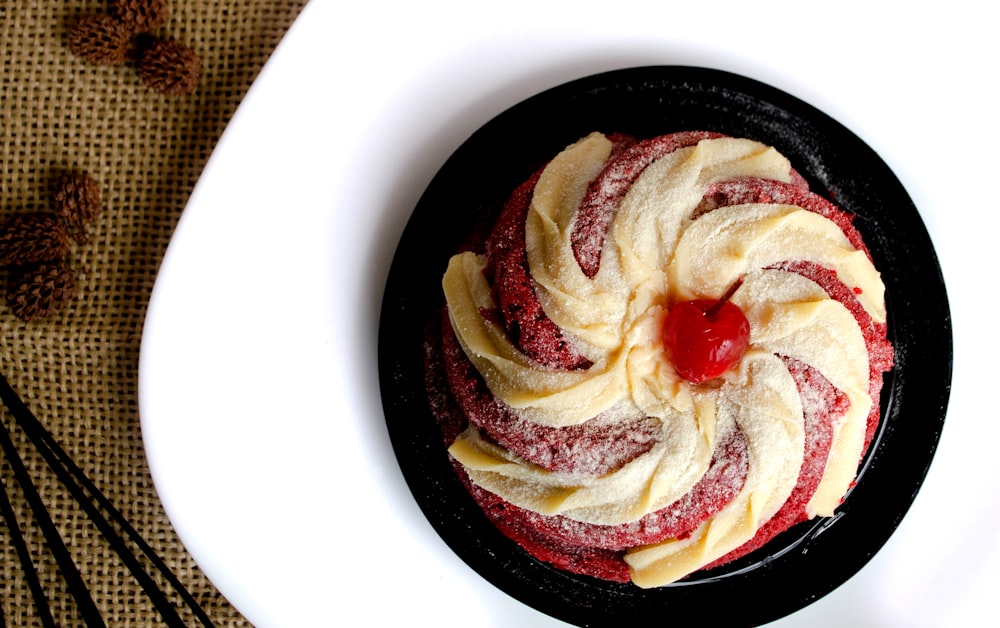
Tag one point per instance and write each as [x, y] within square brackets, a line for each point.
[806, 562]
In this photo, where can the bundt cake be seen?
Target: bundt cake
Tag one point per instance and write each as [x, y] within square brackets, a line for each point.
[665, 353]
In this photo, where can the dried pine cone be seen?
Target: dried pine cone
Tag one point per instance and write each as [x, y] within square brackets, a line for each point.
[100, 39]
[39, 291]
[169, 67]
[77, 199]
[31, 238]
[141, 16]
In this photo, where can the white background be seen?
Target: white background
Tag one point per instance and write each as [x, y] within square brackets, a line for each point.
[265, 435]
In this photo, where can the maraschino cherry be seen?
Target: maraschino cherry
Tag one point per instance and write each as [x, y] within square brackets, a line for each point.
[704, 338]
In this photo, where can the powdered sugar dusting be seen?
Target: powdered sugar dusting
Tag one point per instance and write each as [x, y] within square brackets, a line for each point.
[597, 209]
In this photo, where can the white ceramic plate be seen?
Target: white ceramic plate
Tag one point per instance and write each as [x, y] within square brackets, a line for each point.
[258, 379]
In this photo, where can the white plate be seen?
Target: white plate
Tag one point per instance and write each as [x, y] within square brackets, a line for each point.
[258, 385]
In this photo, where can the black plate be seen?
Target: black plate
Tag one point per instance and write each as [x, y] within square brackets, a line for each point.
[806, 562]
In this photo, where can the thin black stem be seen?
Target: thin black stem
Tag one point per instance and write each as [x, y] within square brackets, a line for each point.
[712, 311]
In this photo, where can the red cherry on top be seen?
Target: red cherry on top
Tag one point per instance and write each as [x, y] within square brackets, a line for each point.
[705, 338]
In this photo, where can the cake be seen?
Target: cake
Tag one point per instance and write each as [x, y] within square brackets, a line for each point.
[664, 353]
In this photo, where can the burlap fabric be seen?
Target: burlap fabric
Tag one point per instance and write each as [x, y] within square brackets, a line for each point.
[77, 371]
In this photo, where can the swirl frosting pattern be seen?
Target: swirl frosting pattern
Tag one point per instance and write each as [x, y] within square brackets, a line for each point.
[589, 446]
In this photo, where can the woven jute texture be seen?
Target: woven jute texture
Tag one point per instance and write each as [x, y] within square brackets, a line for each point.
[77, 371]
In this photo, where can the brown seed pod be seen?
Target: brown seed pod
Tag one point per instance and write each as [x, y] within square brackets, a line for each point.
[77, 199]
[169, 67]
[40, 290]
[141, 16]
[33, 237]
[99, 39]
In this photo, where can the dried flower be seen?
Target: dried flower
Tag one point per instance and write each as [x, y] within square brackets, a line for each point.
[141, 16]
[100, 39]
[77, 199]
[33, 237]
[169, 67]
[40, 290]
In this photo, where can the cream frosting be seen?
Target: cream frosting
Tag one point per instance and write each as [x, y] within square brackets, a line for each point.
[655, 255]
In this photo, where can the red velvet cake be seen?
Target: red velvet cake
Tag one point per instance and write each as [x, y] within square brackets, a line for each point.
[665, 353]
